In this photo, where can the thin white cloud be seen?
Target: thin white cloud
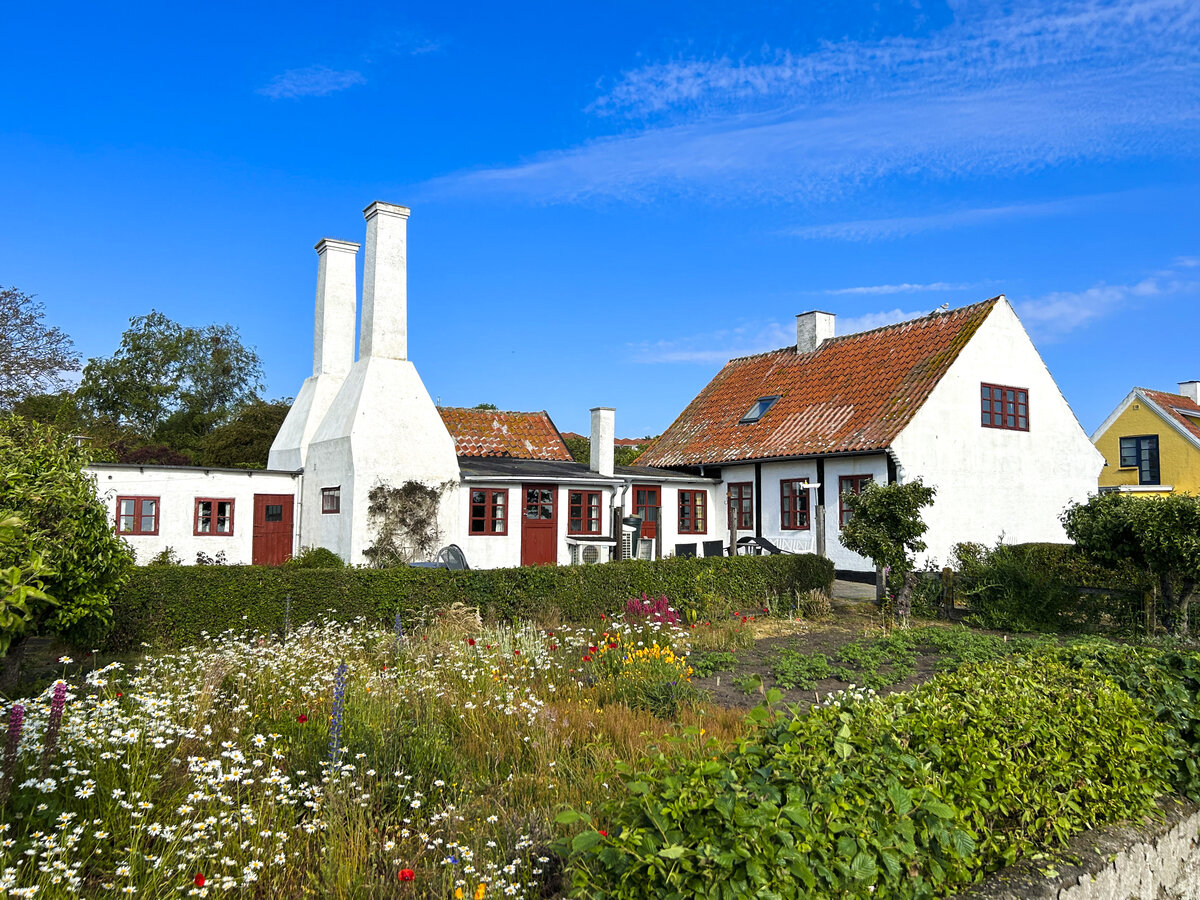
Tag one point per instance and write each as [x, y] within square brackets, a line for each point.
[1055, 315]
[874, 289]
[313, 81]
[996, 92]
[903, 226]
[1186, 262]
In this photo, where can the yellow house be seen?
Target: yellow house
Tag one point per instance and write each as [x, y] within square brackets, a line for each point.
[1151, 442]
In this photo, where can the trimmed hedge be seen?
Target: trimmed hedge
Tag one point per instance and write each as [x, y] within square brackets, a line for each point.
[172, 605]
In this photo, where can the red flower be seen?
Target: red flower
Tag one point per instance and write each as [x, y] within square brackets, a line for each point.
[612, 646]
[516, 652]
[587, 659]
[554, 646]
[743, 620]
[302, 718]
[549, 634]
[602, 617]
[470, 642]
[591, 649]
[119, 694]
[407, 875]
[198, 881]
[602, 832]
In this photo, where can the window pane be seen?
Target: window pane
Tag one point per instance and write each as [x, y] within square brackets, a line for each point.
[477, 496]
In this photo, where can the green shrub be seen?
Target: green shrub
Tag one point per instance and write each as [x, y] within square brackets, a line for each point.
[1035, 587]
[913, 795]
[172, 605]
[316, 558]
[708, 663]
[1166, 680]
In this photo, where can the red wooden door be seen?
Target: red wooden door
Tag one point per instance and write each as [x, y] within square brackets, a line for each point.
[272, 529]
[646, 504]
[539, 525]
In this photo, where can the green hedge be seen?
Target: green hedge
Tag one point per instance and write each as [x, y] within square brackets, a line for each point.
[172, 605]
[914, 795]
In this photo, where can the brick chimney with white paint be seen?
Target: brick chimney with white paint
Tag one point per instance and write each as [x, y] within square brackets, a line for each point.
[382, 428]
[603, 433]
[333, 353]
[813, 329]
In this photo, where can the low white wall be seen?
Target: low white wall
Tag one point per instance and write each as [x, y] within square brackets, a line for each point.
[1159, 859]
[177, 489]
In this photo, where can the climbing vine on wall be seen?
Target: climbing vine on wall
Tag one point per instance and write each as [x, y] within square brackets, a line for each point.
[404, 521]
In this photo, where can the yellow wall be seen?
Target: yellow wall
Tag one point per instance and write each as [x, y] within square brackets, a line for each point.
[1178, 458]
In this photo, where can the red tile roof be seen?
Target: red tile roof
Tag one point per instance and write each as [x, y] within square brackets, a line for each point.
[1175, 405]
[852, 393]
[490, 432]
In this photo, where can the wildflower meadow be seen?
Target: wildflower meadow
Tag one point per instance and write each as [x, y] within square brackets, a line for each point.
[338, 761]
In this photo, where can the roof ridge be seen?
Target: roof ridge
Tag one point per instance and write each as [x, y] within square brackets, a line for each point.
[875, 330]
[507, 412]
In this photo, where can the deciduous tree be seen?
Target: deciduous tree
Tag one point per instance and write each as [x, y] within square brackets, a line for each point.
[1158, 534]
[33, 355]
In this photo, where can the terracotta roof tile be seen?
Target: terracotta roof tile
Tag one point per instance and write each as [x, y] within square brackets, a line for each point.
[854, 392]
[1180, 408]
[517, 435]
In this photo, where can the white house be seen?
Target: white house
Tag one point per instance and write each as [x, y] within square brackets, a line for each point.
[960, 398]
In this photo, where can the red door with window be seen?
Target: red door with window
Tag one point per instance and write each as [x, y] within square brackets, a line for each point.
[539, 525]
[646, 504]
[272, 529]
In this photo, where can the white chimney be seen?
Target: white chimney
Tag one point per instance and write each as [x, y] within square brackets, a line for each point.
[603, 435]
[385, 283]
[813, 329]
[1191, 390]
[337, 302]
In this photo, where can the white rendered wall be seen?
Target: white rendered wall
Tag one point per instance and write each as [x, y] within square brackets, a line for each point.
[991, 482]
[668, 520]
[177, 489]
[381, 428]
[768, 498]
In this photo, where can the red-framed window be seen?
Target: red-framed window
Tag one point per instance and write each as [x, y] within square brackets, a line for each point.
[331, 499]
[137, 515]
[850, 484]
[793, 504]
[693, 512]
[583, 512]
[1004, 407]
[741, 505]
[489, 511]
[214, 516]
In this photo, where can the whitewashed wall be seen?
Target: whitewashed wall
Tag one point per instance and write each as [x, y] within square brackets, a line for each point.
[994, 483]
[668, 525]
[178, 488]
[875, 466]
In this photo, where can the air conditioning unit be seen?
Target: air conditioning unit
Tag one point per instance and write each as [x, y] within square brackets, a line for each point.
[589, 554]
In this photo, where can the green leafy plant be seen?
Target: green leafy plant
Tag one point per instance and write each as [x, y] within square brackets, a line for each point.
[705, 664]
[404, 521]
[792, 669]
[912, 795]
[21, 584]
[315, 558]
[42, 480]
[885, 523]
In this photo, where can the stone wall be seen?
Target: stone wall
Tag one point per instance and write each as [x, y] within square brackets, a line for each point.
[1157, 860]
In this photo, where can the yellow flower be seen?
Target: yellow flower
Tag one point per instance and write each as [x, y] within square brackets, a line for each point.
[458, 894]
[480, 891]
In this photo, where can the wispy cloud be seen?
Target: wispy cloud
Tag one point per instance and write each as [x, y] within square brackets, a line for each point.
[1054, 316]
[715, 346]
[313, 81]
[902, 226]
[999, 91]
[867, 321]
[872, 289]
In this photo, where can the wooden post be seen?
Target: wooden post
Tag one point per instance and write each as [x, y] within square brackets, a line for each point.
[619, 532]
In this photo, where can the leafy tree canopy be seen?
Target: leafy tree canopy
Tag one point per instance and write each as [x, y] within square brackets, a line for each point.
[1158, 534]
[33, 355]
[171, 382]
[245, 440]
[885, 523]
[66, 531]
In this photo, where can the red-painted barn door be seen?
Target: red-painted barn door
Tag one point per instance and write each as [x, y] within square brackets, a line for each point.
[272, 529]
[539, 525]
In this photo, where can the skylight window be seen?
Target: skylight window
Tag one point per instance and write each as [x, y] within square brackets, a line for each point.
[758, 410]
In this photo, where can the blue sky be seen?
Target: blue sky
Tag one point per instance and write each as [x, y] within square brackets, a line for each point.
[608, 200]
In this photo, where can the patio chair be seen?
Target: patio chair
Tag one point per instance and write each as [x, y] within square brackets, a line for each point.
[686, 550]
[714, 548]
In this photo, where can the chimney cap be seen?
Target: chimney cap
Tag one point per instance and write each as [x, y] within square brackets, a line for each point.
[334, 244]
[605, 408]
[388, 209]
[812, 312]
